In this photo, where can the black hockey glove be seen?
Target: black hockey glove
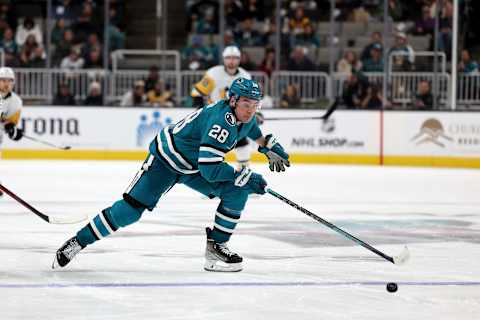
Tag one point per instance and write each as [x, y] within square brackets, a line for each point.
[247, 178]
[13, 132]
[277, 157]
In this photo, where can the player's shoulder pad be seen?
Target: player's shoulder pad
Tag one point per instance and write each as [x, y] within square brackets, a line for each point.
[244, 73]
[214, 71]
[222, 114]
[16, 98]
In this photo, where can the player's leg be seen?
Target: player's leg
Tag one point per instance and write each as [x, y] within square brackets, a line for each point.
[150, 183]
[243, 151]
[218, 256]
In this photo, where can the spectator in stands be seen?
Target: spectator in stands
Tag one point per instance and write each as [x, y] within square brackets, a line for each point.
[32, 54]
[64, 47]
[355, 90]
[349, 63]
[268, 62]
[308, 38]
[28, 27]
[375, 62]
[290, 98]
[229, 39]
[94, 59]
[376, 41]
[136, 96]
[247, 36]
[396, 10]
[27, 50]
[10, 48]
[196, 56]
[404, 56]
[445, 34]
[94, 97]
[152, 79]
[65, 10]
[160, 95]
[253, 9]
[116, 18]
[64, 96]
[298, 22]
[8, 16]
[93, 43]
[206, 24]
[58, 31]
[269, 33]
[116, 38]
[299, 61]
[233, 13]
[73, 61]
[245, 61]
[86, 23]
[467, 64]
[424, 25]
[423, 99]
[373, 98]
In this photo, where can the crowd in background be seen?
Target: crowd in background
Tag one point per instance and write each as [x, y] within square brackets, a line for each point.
[247, 25]
[77, 40]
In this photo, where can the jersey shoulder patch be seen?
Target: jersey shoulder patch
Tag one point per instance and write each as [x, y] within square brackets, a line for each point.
[230, 119]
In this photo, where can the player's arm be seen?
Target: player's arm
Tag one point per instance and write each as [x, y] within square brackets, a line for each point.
[202, 89]
[11, 121]
[211, 158]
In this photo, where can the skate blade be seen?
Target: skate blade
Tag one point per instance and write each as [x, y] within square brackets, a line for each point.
[218, 266]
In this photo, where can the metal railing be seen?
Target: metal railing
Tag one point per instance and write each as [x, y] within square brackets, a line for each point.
[43, 84]
[312, 86]
[468, 91]
[402, 86]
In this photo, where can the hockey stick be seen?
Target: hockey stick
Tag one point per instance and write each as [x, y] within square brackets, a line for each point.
[325, 116]
[398, 260]
[49, 219]
[47, 143]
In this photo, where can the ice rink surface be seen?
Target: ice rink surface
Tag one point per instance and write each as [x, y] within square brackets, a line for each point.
[295, 268]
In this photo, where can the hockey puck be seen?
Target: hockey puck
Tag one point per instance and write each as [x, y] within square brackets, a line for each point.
[392, 287]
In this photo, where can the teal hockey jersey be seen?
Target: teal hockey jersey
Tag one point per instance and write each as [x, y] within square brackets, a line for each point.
[199, 142]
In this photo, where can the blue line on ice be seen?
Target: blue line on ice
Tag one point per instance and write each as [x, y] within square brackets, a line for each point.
[231, 284]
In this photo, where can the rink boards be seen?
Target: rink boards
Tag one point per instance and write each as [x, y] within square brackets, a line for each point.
[362, 137]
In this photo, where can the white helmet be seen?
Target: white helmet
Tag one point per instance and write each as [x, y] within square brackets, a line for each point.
[231, 51]
[7, 73]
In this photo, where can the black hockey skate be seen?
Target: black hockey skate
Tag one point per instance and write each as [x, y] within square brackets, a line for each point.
[219, 258]
[66, 253]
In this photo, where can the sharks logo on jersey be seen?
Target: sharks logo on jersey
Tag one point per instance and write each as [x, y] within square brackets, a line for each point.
[230, 118]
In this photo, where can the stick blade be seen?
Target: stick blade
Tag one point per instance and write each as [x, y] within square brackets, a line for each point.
[402, 258]
[67, 219]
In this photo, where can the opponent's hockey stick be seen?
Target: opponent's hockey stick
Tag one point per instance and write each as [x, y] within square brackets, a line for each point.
[398, 260]
[49, 219]
[47, 143]
[325, 116]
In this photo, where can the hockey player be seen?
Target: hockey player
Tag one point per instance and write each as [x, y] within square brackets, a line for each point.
[214, 86]
[192, 152]
[10, 107]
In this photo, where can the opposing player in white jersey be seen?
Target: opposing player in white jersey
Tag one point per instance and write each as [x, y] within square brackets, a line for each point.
[214, 87]
[10, 107]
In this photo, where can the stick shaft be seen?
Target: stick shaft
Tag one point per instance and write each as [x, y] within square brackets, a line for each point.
[44, 142]
[24, 203]
[330, 225]
[325, 116]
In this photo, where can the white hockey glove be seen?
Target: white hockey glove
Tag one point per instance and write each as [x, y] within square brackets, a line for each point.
[277, 157]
